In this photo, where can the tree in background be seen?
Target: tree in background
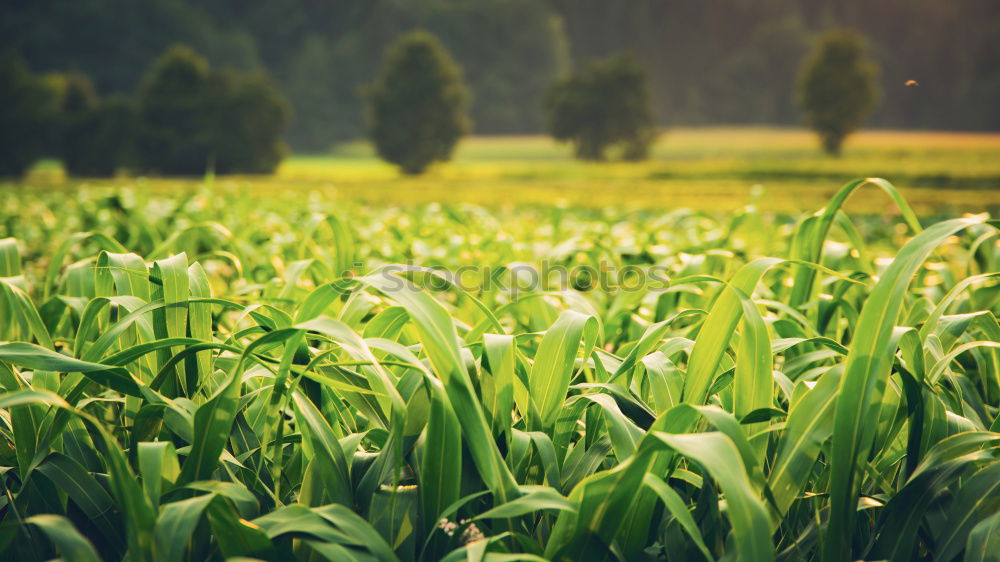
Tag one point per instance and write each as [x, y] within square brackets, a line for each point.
[416, 107]
[101, 140]
[336, 55]
[837, 87]
[175, 114]
[709, 62]
[249, 117]
[115, 41]
[74, 90]
[77, 100]
[94, 137]
[28, 110]
[194, 119]
[605, 104]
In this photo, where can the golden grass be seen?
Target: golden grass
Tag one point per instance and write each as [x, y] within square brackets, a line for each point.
[714, 169]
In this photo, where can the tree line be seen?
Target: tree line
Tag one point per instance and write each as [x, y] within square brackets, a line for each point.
[708, 62]
[417, 105]
[188, 118]
[185, 118]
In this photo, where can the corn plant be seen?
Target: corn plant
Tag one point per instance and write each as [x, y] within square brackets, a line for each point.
[211, 377]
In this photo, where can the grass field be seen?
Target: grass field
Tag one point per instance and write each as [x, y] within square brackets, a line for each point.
[336, 363]
[705, 169]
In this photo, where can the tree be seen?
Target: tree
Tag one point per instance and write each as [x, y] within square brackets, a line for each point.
[101, 140]
[603, 105]
[249, 119]
[416, 107]
[93, 137]
[837, 87]
[193, 118]
[709, 62]
[175, 115]
[28, 112]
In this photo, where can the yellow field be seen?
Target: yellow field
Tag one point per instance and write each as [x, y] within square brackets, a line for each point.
[704, 168]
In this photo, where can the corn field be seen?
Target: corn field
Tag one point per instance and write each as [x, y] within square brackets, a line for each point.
[216, 376]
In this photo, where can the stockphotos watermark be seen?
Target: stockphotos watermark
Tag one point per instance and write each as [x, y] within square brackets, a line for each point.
[522, 278]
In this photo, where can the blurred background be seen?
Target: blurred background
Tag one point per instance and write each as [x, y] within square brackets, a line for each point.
[720, 92]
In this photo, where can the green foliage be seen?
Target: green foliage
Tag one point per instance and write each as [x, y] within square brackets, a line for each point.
[329, 66]
[709, 63]
[102, 140]
[76, 92]
[29, 109]
[175, 113]
[837, 87]
[95, 137]
[194, 118]
[66, 119]
[416, 108]
[250, 117]
[205, 377]
[604, 105]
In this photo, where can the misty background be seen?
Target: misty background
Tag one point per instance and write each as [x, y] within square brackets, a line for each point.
[709, 62]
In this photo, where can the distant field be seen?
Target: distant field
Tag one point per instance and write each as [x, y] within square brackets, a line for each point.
[713, 168]
[702, 168]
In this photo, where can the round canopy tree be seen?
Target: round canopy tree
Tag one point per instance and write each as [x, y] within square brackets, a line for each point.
[176, 119]
[417, 106]
[837, 87]
[603, 105]
[96, 136]
[194, 118]
[101, 140]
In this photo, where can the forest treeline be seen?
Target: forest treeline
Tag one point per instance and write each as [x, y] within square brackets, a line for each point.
[709, 62]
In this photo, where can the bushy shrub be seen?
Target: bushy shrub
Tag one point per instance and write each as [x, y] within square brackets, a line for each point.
[175, 115]
[837, 87]
[92, 137]
[417, 106]
[194, 118]
[249, 119]
[604, 105]
[101, 140]
[28, 114]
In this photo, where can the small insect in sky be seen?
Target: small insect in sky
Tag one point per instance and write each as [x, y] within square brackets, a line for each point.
[911, 83]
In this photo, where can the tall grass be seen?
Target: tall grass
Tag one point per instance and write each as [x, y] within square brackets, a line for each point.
[196, 380]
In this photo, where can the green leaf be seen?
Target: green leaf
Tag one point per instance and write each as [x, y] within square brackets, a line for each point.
[718, 328]
[718, 454]
[39, 358]
[441, 462]
[440, 343]
[983, 544]
[84, 490]
[808, 242]
[535, 498]
[976, 500]
[332, 464]
[68, 541]
[675, 505]
[552, 370]
[865, 374]
[176, 524]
